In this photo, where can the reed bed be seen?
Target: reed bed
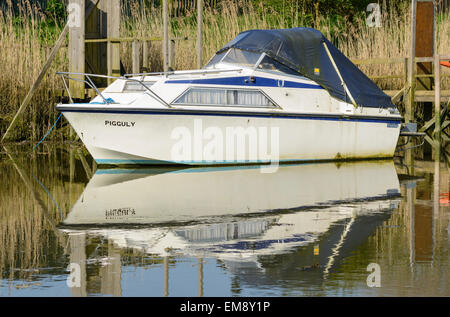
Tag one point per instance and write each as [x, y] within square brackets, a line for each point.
[25, 42]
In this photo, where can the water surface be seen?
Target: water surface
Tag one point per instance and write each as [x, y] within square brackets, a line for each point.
[68, 228]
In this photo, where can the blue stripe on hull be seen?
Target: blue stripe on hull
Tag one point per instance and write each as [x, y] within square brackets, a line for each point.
[158, 162]
[233, 162]
[244, 81]
[393, 123]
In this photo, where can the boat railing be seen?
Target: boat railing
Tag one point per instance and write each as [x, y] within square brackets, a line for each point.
[186, 72]
[88, 81]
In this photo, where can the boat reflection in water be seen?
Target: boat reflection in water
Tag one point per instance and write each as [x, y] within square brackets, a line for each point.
[315, 214]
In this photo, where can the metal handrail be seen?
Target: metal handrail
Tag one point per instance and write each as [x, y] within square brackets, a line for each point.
[89, 82]
[187, 72]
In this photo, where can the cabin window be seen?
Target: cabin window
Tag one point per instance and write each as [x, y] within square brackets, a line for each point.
[224, 97]
[134, 86]
[268, 64]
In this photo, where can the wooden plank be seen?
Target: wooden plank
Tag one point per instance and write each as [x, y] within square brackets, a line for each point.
[429, 96]
[445, 124]
[431, 122]
[397, 96]
[131, 39]
[387, 77]
[380, 60]
[424, 59]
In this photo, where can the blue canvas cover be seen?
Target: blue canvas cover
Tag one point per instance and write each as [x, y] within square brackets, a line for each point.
[302, 50]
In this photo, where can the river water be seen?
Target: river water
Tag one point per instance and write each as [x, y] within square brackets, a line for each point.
[68, 228]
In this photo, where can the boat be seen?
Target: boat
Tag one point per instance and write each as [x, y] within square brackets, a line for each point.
[266, 97]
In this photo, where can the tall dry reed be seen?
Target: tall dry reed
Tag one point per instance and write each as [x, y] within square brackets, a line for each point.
[24, 45]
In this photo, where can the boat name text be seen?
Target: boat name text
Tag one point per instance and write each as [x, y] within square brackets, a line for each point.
[128, 124]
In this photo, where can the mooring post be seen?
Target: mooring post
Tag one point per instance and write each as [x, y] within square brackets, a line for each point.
[166, 276]
[424, 44]
[172, 54]
[113, 31]
[437, 86]
[437, 98]
[145, 45]
[411, 68]
[199, 34]
[78, 257]
[165, 36]
[77, 46]
[135, 57]
[200, 277]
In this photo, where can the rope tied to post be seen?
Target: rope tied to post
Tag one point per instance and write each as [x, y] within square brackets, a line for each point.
[54, 124]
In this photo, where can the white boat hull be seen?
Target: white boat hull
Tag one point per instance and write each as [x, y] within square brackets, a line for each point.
[202, 139]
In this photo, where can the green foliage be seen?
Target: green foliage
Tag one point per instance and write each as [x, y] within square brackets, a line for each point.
[56, 11]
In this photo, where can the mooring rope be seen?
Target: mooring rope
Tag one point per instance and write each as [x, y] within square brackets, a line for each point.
[51, 197]
[54, 124]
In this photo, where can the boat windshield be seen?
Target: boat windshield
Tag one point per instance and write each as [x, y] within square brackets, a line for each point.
[250, 59]
[236, 57]
[271, 65]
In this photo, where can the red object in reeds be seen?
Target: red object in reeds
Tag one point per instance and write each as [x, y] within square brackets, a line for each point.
[446, 64]
[444, 199]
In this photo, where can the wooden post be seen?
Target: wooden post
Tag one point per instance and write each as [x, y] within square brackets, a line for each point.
[424, 42]
[410, 199]
[200, 277]
[145, 66]
[136, 57]
[437, 89]
[78, 256]
[411, 68]
[172, 54]
[437, 98]
[77, 46]
[199, 34]
[166, 276]
[166, 36]
[113, 31]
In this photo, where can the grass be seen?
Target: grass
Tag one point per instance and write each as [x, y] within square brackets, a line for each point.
[25, 38]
